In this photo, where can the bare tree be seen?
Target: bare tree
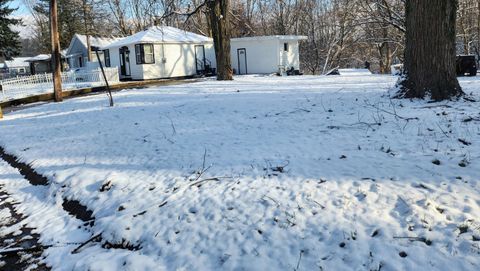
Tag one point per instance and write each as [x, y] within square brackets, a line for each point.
[220, 24]
[430, 50]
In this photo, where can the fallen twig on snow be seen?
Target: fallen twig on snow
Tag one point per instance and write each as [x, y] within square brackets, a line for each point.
[95, 238]
[392, 113]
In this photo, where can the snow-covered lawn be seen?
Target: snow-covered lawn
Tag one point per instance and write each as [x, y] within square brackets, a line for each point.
[262, 173]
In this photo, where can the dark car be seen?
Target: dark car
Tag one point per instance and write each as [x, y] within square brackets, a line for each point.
[466, 64]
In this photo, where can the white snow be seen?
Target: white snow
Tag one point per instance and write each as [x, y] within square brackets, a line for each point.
[17, 62]
[160, 34]
[354, 72]
[261, 173]
[96, 41]
[40, 57]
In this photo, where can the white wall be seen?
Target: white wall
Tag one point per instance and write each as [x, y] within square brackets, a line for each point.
[171, 60]
[265, 56]
[136, 71]
[262, 56]
[210, 54]
[291, 58]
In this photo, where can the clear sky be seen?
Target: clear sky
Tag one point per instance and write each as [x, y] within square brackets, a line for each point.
[22, 9]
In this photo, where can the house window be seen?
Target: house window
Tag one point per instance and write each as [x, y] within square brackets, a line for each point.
[106, 56]
[285, 47]
[80, 61]
[144, 54]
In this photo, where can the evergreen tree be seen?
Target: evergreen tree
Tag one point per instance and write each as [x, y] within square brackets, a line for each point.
[9, 39]
[70, 21]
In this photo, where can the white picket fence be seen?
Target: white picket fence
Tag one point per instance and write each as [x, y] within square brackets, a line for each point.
[25, 86]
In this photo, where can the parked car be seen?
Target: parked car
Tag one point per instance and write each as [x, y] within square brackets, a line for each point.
[466, 64]
[79, 74]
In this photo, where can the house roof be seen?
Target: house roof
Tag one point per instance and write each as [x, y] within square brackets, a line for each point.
[94, 41]
[17, 62]
[274, 37]
[161, 34]
[43, 57]
[39, 58]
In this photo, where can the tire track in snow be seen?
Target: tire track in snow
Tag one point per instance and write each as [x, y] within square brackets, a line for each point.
[73, 207]
[20, 249]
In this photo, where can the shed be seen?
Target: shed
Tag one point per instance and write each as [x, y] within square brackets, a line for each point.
[161, 52]
[265, 54]
[77, 53]
[43, 63]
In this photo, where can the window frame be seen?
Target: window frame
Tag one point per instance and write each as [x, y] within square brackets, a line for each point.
[140, 53]
[106, 58]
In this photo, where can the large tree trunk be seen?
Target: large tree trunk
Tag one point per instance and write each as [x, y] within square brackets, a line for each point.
[220, 24]
[430, 50]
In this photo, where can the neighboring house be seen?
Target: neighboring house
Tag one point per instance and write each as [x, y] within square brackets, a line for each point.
[3, 68]
[160, 52]
[17, 66]
[43, 63]
[77, 54]
[265, 54]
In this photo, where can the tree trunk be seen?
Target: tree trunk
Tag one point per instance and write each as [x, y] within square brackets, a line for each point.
[430, 50]
[220, 24]
[56, 57]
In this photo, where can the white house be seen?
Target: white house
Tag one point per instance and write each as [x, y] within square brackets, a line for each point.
[265, 54]
[17, 65]
[160, 52]
[77, 53]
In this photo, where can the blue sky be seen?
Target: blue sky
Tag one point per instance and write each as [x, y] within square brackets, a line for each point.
[22, 9]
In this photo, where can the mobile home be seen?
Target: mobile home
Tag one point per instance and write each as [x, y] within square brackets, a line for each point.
[160, 52]
[265, 54]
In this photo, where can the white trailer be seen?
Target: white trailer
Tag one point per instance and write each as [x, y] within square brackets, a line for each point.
[265, 54]
[161, 52]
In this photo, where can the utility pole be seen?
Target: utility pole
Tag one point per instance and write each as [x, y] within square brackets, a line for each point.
[56, 57]
[87, 31]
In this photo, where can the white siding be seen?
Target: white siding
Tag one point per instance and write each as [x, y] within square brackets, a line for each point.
[262, 55]
[210, 54]
[291, 58]
[171, 60]
[265, 56]
[179, 61]
[136, 71]
[115, 58]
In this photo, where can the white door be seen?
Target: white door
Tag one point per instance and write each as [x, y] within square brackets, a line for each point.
[124, 61]
[242, 61]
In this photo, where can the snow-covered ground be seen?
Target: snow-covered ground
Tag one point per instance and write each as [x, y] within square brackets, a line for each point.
[262, 173]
